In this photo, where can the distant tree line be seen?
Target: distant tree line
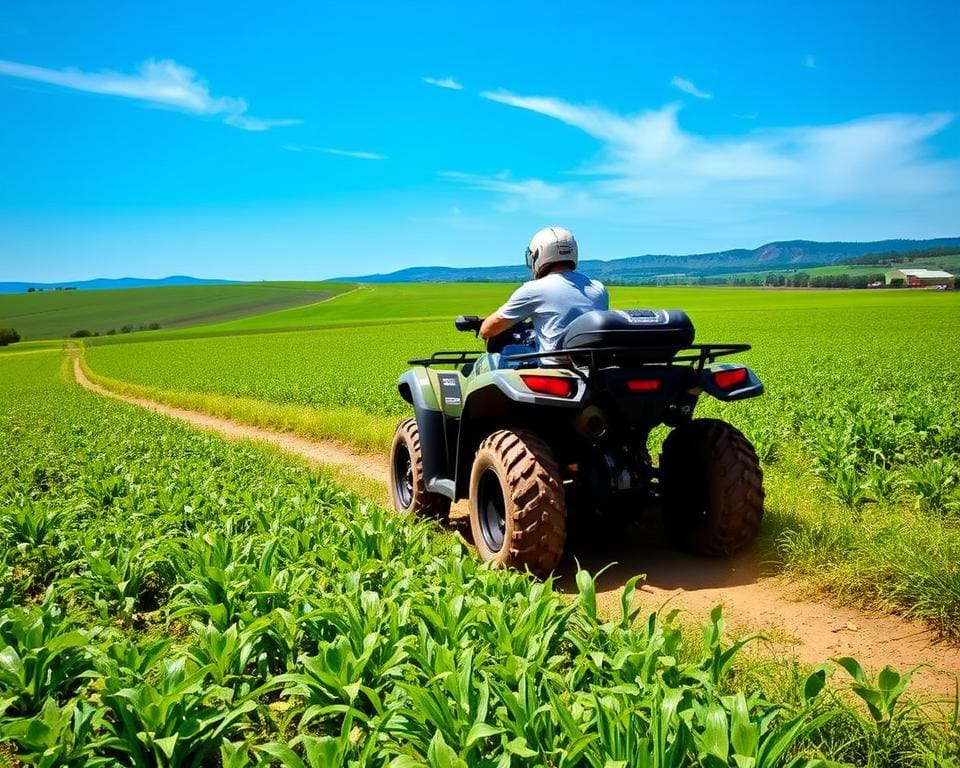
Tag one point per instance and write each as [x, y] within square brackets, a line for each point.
[31, 289]
[892, 257]
[799, 279]
[83, 333]
[806, 280]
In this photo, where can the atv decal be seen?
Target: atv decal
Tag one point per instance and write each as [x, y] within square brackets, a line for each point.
[450, 385]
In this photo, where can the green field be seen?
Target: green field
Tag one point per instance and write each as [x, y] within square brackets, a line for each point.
[372, 304]
[858, 429]
[171, 599]
[56, 314]
[157, 577]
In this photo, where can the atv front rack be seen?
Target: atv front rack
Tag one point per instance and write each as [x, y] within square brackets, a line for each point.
[700, 355]
[456, 359]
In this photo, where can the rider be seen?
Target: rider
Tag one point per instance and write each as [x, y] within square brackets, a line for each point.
[555, 297]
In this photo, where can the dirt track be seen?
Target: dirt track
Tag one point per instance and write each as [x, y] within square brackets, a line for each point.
[813, 631]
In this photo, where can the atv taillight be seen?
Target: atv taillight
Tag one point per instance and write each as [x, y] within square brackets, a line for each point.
[643, 385]
[730, 378]
[549, 385]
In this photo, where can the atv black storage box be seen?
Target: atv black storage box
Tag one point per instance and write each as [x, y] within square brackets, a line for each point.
[663, 330]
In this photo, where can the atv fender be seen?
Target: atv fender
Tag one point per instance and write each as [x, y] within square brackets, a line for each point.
[501, 400]
[417, 388]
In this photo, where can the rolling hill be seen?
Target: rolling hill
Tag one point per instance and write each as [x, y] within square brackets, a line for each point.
[109, 283]
[788, 254]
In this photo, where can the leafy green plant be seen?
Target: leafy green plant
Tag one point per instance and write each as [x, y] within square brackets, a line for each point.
[58, 737]
[179, 721]
[882, 695]
[932, 482]
[42, 657]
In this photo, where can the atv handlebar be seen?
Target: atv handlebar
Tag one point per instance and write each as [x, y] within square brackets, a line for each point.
[468, 323]
[519, 333]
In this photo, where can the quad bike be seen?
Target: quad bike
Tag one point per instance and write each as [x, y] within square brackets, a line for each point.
[530, 438]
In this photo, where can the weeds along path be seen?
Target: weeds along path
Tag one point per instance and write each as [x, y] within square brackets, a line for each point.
[808, 630]
[324, 453]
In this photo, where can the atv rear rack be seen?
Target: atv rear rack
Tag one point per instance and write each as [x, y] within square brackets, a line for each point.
[698, 354]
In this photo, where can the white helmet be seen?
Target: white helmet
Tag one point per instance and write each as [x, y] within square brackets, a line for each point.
[551, 246]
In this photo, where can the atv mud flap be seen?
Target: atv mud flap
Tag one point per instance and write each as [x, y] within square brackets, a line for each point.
[433, 450]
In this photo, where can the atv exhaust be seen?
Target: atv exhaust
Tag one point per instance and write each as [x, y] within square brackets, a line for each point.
[591, 423]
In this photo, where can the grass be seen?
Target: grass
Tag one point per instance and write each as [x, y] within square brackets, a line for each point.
[56, 314]
[26, 347]
[351, 426]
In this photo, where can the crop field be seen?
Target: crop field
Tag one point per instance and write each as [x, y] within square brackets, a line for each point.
[55, 314]
[858, 431]
[172, 599]
[371, 303]
[156, 613]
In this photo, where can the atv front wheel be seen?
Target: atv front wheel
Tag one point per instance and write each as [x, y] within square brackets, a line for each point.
[517, 509]
[408, 489]
[711, 487]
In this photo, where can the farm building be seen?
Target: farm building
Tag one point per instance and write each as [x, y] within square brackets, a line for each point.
[920, 278]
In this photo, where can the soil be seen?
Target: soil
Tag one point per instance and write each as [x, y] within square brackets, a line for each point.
[754, 598]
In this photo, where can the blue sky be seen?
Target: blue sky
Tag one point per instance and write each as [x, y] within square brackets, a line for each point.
[309, 140]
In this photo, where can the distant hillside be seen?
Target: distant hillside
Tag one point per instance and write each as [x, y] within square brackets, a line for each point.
[792, 254]
[105, 283]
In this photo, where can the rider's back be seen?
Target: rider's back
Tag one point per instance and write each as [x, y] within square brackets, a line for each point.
[553, 302]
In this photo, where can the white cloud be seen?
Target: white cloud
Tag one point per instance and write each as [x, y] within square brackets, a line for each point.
[162, 83]
[681, 83]
[356, 154]
[443, 82]
[880, 169]
[809, 61]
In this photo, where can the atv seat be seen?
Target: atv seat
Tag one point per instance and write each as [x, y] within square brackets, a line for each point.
[653, 334]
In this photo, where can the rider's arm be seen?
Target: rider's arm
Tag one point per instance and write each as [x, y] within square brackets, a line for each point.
[521, 305]
[495, 324]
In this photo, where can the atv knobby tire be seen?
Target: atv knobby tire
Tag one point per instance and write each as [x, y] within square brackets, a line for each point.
[711, 487]
[517, 509]
[408, 490]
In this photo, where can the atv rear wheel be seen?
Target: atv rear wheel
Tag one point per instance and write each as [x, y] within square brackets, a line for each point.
[711, 487]
[517, 511]
[408, 489]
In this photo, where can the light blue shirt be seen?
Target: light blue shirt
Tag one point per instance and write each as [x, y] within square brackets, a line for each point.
[554, 302]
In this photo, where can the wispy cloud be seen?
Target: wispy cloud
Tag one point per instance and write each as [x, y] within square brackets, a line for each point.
[356, 154]
[650, 168]
[157, 83]
[682, 84]
[809, 61]
[443, 82]
[523, 194]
